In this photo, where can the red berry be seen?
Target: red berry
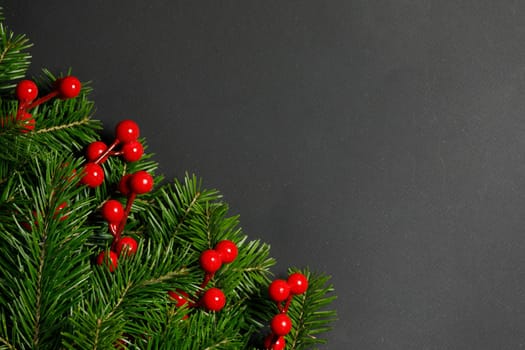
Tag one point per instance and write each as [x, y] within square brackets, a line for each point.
[227, 250]
[280, 344]
[181, 297]
[69, 87]
[214, 299]
[111, 261]
[127, 130]
[27, 225]
[26, 91]
[123, 185]
[141, 182]
[112, 211]
[26, 121]
[279, 290]
[132, 151]
[281, 324]
[93, 175]
[298, 283]
[210, 261]
[274, 343]
[95, 150]
[59, 209]
[127, 246]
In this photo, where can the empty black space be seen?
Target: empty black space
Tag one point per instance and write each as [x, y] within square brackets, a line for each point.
[381, 142]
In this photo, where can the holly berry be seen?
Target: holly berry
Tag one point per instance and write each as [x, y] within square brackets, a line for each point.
[140, 182]
[59, 209]
[127, 130]
[26, 121]
[210, 261]
[93, 175]
[26, 91]
[132, 151]
[69, 87]
[179, 296]
[95, 149]
[279, 290]
[298, 283]
[281, 324]
[213, 299]
[27, 225]
[110, 261]
[279, 343]
[123, 185]
[127, 246]
[113, 211]
[227, 250]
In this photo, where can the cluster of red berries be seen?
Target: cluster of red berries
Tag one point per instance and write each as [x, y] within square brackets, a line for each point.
[211, 260]
[130, 185]
[27, 93]
[131, 150]
[116, 216]
[282, 291]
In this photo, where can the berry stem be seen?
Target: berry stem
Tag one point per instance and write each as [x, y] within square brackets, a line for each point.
[207, 279]
[279, 306]
[127, 210]
[43, 99]
[287, 305]
[102, 158]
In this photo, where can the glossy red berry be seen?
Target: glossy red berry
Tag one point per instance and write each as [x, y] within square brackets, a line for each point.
[227, 250]
[272, 342]
[281, 324]
[127, 246]
[26, 122]
[69, 87]
[59, 209]
[110, 261]
[213, 299]
[95, 150]
[113, 211]
[127, 130]
[26, 91]
[179, 296]
[210, 261]
[279, 290]
[298, 283]
[132, 151]
[123, 185]
[93, 175]
[140, 182]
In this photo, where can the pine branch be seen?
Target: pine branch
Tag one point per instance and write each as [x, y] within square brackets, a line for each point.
[14, 61]
[48, 261]
[309, 314]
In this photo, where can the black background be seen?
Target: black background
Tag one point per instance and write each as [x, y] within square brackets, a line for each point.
[381, 142]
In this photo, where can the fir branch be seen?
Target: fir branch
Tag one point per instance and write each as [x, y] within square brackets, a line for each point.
[168, 276]
[84, 121]
[187, 211]
[14, 61]
[38, 304]
[308, 312]
[7, 343]
[218, 345]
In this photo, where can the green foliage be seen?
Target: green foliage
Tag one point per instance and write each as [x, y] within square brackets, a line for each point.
[53, 295]
[309, 313]
[14, 59]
